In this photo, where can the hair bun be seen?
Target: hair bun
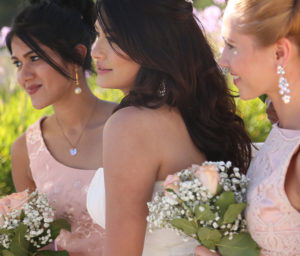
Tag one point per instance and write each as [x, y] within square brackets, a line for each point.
[85, 7]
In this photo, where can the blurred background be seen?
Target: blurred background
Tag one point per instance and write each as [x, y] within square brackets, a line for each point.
[17, 113]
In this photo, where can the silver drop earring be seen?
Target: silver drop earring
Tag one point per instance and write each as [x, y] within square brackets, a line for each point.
[283, 85]
[162, 89]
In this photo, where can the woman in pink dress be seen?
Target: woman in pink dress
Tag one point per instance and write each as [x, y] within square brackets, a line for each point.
[50, 44]
[262, 52]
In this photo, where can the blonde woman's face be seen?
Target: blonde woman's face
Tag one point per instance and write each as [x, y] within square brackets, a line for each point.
[252, 67]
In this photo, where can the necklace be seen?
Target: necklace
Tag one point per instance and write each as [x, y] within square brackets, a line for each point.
[73, 150]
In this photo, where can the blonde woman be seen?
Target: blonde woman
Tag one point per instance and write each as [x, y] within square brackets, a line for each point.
[262, 51]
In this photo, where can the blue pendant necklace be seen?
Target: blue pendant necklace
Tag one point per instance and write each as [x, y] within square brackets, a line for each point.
[73, 150]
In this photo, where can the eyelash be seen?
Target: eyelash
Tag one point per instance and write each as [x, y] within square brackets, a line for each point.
[33, 58]
[229, 46]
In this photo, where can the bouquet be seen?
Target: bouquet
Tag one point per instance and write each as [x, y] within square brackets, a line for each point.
[206, 203]
[27, 224]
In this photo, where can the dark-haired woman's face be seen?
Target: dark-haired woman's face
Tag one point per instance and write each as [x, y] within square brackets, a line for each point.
[114, 71]
[44, 85]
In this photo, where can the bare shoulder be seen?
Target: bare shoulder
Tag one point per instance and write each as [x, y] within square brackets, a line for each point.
[139, 120]
[19, 148]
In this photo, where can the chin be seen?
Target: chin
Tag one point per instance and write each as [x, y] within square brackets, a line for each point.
[39, 105]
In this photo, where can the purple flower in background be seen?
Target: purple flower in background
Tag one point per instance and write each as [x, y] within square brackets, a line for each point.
[209, 18]
[3, 33]
[220, 2]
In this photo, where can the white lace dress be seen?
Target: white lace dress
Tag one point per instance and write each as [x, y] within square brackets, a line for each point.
[158, 243]
[272, 221]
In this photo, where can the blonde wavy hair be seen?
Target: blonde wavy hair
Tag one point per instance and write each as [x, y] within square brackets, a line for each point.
[268, 20]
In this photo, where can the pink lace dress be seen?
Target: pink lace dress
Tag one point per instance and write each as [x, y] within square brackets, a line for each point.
[66, 189]
[272, 221]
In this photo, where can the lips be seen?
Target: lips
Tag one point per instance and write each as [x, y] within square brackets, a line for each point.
[236, 79]
[32, 89]
[102, 70]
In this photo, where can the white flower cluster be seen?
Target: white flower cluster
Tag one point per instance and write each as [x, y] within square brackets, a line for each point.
[235, 181]
[36, 214]
[191, 194]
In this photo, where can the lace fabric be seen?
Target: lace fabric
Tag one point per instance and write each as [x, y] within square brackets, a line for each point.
[272, 221]
[66, 189]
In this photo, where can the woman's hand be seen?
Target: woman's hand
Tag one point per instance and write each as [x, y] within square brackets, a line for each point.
[203, 251]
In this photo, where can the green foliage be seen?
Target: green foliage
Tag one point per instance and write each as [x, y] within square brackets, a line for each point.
[242, 244]
[188, 227]
[209, 237]
[254, 115]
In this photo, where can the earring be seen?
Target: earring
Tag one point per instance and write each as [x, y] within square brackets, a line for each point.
[162, 89]
[77, 89]
[283, 85]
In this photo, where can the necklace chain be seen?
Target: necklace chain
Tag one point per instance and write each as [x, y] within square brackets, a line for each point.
[73, 150]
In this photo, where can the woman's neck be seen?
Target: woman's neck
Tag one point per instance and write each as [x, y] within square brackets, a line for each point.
[73, 109]
[288, 114]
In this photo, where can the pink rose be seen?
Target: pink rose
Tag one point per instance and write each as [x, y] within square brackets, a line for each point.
[208, 176]
[12, 202]
[171, 182]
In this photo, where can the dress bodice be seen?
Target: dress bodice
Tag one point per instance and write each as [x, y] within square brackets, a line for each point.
[272, 221]
[160, 242]
[66, 189]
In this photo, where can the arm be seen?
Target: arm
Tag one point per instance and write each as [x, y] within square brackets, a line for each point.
[130, 166]
[21, 172]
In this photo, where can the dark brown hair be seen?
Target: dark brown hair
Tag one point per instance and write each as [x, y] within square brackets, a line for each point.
[164, 38]
[60, 25]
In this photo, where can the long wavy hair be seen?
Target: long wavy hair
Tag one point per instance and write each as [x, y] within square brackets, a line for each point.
[60, 25]
[163, 36]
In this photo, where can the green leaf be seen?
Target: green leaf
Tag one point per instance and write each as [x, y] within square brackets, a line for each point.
[188, 227]
[241, 244]
[225, 199]
[53, 253]
[19, 245]
[219, 189]
[263, 98]
[57, 225]
[209, 237]
[7, 253]
[232, 212]
[5, 231]
[22, 216]
[205, 215]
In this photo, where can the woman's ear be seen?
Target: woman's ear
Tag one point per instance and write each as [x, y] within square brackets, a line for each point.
[81, 49]
[283, 51]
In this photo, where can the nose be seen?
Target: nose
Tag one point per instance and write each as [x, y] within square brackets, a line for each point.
[98, 51]
[25, 74]
[223, 62]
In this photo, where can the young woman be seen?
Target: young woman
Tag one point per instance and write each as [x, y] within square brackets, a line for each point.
[263, 54]
[177, 111]
[50, 44]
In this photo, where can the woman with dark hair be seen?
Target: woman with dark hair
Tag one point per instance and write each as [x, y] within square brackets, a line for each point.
[50, 43]
[177, 111]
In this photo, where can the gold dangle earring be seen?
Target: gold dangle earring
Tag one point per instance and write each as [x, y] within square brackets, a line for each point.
[77, 89]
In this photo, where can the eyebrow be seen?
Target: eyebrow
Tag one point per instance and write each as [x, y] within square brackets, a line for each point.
[25, 55]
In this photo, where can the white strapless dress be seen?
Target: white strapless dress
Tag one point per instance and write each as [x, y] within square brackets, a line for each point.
[160, 242]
